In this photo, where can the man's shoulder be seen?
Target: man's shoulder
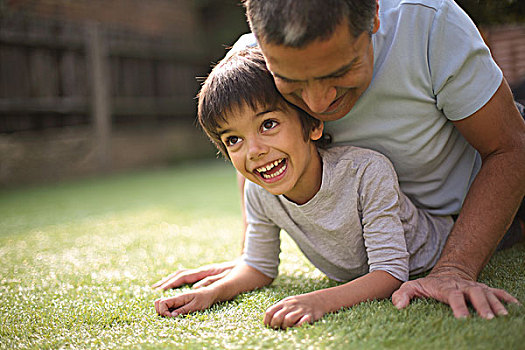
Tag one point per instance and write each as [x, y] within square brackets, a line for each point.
[388, 4]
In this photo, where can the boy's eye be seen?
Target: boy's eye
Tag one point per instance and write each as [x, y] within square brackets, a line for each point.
[269, 124]
[232, 140]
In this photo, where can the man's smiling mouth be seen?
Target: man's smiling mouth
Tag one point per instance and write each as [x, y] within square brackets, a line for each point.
[271, 170]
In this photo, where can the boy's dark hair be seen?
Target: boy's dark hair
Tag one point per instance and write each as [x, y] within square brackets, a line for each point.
[297, 23]
[241, 79]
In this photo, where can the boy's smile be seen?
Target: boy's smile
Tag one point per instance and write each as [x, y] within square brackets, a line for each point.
[272, 171]
[267, 147]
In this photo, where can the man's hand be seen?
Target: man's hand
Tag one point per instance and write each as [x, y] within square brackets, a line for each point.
[185, 303]
[204, 275]
[294, 311]
[455, 290]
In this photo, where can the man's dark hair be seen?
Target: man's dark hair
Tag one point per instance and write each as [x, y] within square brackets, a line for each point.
[297, 23]
[241, 79]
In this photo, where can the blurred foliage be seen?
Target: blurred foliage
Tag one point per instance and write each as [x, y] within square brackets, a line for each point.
[487, 12]
[223, 22]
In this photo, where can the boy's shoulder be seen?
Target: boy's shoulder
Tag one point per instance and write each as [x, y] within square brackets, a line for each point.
[342, 156]
[257, 194]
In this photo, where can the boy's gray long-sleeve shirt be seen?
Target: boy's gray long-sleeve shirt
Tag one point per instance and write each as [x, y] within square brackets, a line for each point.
[358, 222]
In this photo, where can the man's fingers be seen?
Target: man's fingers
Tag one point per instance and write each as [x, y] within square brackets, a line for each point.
[457, 302]
[401, 297]
[496, 305]
[455, 292]
[503, 295]
[478, 297]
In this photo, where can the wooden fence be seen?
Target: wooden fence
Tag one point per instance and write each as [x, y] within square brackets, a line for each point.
[73, 89]
[57, 74]
[507, 44]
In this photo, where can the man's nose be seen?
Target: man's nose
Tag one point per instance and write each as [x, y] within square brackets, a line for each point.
[318, 96]
[256, 149]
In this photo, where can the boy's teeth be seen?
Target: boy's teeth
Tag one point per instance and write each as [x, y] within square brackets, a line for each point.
[277, 173]
[269, 166]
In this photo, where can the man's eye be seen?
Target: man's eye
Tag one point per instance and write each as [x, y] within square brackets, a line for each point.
[286, 81]
[268, 124]
[232, 140]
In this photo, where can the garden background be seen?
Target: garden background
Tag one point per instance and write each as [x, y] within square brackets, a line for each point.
[106, 185]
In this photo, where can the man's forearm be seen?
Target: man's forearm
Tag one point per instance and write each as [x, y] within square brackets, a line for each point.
[487, 213]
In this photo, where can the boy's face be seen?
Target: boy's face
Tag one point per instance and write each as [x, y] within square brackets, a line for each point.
[267, 147]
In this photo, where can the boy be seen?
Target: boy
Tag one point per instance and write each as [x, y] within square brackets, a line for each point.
[342, 206]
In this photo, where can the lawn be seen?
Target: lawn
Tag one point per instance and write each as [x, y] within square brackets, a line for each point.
[77, 259]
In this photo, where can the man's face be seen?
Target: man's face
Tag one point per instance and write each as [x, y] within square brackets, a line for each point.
[267, 147]
[327, 77]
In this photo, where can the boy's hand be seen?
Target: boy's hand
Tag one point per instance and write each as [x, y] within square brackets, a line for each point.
[204, 275]
[185, 303]
[295, 311]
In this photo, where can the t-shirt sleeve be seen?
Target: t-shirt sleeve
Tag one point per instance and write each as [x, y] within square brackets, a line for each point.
[245, 41]
[464, 74]
[384, 238]
[262, 243]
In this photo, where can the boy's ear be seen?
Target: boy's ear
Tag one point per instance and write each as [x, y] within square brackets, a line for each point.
[317, 132]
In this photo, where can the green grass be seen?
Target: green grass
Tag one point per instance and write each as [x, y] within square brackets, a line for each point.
[76, 260]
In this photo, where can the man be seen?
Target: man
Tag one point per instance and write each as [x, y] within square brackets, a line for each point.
[413, 80]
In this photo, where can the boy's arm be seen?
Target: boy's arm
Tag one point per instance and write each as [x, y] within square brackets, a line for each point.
[299, 309]
[242, 278]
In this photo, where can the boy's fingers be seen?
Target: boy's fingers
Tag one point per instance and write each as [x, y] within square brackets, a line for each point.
[167, 304]
[291, 319]
[277, 319]
[210, 279]
[185, 277]
[304, 319]
[167, 278]
[162, 308]
[157, 305]
[268, 315]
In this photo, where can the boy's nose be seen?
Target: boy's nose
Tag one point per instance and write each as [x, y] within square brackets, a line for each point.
[318, 96]
[256, 149]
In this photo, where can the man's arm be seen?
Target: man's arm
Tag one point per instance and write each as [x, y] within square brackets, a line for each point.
[497, 131]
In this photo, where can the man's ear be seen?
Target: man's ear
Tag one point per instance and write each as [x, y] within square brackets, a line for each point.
[376, 19]
[317, 132]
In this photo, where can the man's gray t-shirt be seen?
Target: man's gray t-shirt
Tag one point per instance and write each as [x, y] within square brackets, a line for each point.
[359, 221]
